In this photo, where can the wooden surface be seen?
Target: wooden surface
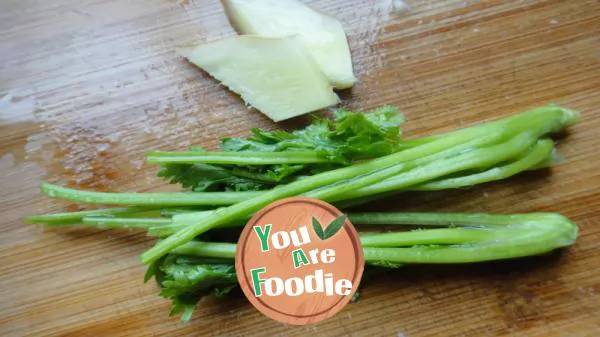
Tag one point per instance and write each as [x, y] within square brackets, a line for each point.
[87, 86]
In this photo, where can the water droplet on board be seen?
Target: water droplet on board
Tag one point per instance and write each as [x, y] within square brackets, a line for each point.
[18, 118]
[182, 3]
[77, 155]
[401, 6]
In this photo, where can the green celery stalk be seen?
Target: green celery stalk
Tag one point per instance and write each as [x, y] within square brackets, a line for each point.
[145, 199]
[542, 120]
[69, 218]
[236, 158]
[212, 249]
[474, 220]
[348, 188]
[438, 236]
[479, 158]
[498, 237]
[228, 198]
[142, 223]
[539, 153]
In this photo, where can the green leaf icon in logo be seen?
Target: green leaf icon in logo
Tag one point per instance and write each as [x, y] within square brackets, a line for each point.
[318, 229]
[335, 226]
[331, 229]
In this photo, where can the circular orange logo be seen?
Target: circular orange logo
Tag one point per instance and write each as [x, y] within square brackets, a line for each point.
[299, 260]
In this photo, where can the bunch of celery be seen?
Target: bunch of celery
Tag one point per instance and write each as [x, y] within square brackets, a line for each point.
[352, 159]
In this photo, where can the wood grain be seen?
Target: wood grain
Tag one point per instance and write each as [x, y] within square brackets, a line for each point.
[87, 86]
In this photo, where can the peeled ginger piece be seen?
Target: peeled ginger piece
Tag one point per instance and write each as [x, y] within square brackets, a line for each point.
[322, 34]
[277, 76]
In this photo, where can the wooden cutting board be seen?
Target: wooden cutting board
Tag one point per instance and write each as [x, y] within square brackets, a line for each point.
[86, 87]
